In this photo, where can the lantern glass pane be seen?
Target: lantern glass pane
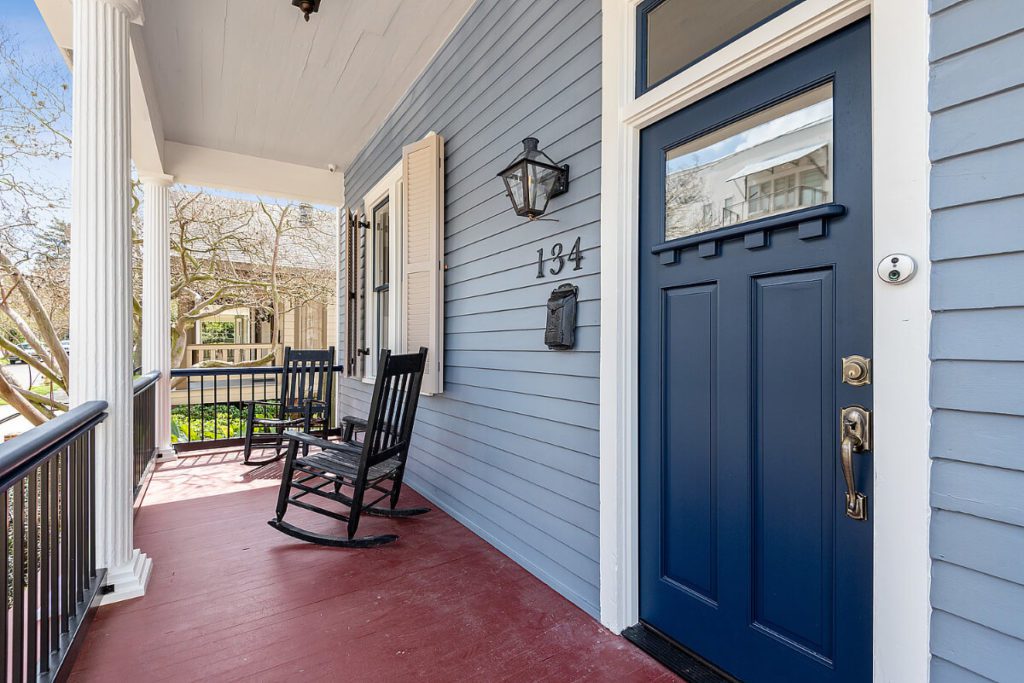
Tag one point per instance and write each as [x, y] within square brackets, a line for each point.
[514, 186]
[542, 184]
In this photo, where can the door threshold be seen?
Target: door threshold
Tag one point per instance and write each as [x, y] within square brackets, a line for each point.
[678, 659]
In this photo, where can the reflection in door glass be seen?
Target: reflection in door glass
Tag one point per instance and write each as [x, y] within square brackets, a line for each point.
[774, 161]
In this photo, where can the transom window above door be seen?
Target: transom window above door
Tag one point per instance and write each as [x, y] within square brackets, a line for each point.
[673, 34]
[774, 161]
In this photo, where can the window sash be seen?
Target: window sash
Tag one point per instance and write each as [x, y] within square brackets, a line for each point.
[381, 276]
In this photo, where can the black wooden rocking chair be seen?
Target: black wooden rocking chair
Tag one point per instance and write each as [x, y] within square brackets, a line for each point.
[375, 466]
[304, 401]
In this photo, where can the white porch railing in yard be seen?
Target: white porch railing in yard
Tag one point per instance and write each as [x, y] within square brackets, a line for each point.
[227, 353]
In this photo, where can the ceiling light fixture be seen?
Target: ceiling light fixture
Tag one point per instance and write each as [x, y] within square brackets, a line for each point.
[307, 7]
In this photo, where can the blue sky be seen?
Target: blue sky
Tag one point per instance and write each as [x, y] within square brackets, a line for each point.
[22, 18]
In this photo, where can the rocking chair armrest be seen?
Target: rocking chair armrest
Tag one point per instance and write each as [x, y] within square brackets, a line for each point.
[272, 404]
[316, 403]
[310, 440]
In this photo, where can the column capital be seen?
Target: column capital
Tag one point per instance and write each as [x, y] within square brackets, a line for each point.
[130, 8]
[157, 178]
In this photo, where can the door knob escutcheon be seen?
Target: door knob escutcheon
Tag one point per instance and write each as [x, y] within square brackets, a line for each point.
[855, 437]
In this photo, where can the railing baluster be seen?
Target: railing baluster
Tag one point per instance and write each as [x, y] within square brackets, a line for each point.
[5, 643]
[227, 407]
[241, 405]
[216, 414]
[188, 404]
[74, 476]
[32, 500]
[53, 594]
[65, 540]
[202, 407]
[90, 504]
[45, 537]
[18, 593]
[80, 542]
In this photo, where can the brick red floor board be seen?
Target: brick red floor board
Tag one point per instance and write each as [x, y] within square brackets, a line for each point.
[232, 599]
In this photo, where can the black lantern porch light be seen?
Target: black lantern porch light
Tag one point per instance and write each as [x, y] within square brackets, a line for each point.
[533, 179]
[307, 7]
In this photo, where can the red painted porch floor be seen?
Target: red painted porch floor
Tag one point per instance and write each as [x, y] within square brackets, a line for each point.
[232, 599]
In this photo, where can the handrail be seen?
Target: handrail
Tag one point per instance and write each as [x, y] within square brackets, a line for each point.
[142, 383]
[213, 347]
[22, 454]
[234, 370]
[197, 353]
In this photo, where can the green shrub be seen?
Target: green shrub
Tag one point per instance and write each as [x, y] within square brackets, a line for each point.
[212, 421]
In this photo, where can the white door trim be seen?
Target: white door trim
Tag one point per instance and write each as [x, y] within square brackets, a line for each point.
[901, 610]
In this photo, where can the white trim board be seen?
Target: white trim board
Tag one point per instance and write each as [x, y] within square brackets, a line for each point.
[899, 73]
[390, 188]
[215, 168]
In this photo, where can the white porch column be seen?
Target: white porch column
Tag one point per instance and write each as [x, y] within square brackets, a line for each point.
[156, 301]
[101, 276]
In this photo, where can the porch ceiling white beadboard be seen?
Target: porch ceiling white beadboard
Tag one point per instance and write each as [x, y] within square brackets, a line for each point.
[252, 80]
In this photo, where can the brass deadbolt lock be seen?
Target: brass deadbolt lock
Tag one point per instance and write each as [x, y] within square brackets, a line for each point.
[856, 370]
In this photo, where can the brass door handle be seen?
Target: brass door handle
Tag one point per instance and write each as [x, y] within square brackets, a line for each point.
[855, 434]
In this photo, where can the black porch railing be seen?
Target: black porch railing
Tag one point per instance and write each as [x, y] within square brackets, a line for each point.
[49, 573]
[208, 405]
[143, 428]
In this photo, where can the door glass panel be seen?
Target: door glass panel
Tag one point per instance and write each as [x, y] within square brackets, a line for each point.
[679, 32]
[774, 161]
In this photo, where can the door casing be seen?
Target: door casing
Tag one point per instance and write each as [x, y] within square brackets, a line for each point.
[901, 319]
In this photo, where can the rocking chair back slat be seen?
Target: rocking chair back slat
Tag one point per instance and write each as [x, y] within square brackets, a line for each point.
[307, 375]
[393, 407]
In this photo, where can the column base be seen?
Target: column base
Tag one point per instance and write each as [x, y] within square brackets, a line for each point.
[129, 580]
[166, 454]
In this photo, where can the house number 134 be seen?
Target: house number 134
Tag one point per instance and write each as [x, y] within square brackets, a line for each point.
[558, 258]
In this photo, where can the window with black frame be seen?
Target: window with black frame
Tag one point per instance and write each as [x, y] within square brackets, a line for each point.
[381, 272]
[674, 34]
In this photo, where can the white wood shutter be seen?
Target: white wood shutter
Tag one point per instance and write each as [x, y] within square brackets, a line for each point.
[422, 289]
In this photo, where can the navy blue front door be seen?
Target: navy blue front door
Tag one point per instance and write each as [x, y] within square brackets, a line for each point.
[755, 283]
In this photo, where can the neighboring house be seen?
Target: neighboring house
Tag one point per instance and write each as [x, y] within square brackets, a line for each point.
[245, 332]
[303, 252]
[786, 440]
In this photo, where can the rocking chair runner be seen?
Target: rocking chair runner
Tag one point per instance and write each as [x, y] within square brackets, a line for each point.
[305, 402]
[376, 466]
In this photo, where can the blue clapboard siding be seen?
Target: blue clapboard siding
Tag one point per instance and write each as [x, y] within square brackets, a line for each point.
[977, 392]
[511, 447]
